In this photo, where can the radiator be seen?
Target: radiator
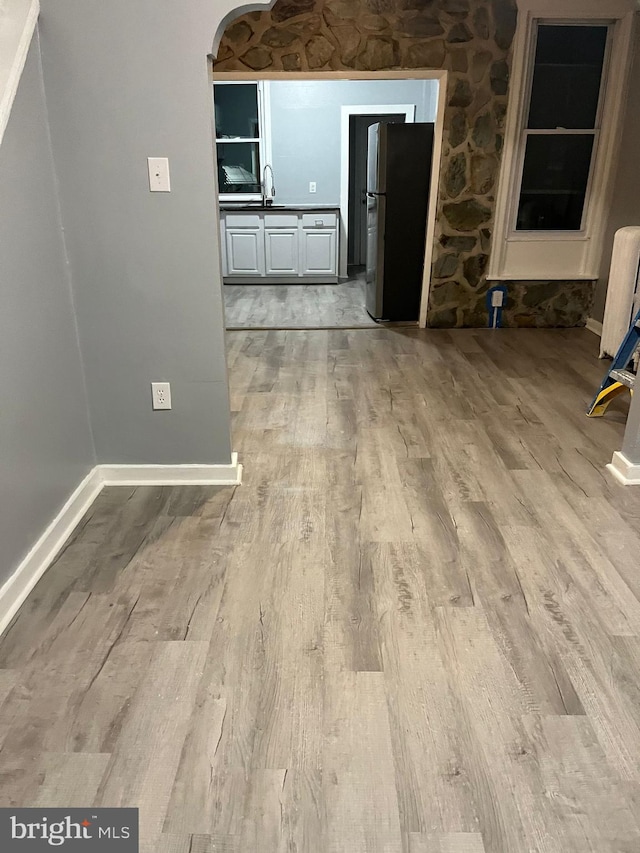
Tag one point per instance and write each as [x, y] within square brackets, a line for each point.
[623, 293]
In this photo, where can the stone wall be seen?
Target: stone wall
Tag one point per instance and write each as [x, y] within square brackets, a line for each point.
[472, 40]
[548, 303]
[529, 304]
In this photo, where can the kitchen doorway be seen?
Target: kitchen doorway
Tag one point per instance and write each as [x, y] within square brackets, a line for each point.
[285, 250]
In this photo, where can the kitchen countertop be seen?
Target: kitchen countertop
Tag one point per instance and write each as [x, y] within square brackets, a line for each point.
[231, 205]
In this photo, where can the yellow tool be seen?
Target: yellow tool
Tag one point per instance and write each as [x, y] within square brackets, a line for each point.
[621, 374]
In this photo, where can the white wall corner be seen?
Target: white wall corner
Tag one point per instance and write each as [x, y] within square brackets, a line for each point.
[18, 19]
[625, 472]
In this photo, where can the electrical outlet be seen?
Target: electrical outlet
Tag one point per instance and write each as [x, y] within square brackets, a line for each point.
[159, 180]
[312, 186]
[161, 395]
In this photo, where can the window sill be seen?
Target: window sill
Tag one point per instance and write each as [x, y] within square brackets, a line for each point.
[543, 257]
[543, 277]
[546, 236]
[18, 19]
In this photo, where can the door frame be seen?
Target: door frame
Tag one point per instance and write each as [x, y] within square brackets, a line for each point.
[442, 76]
[346, 111]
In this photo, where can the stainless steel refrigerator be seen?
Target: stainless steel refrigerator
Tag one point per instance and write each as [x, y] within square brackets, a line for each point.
[399, 160]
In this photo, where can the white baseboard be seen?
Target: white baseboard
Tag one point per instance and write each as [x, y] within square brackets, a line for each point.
[14, 592]
[626, 472]
[594, 326]
[173, 475]
[45, 550]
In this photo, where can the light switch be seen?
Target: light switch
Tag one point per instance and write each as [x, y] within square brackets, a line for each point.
[312, 186]
[159, 181]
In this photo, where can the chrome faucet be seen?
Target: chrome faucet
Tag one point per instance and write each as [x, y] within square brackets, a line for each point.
[272, 194]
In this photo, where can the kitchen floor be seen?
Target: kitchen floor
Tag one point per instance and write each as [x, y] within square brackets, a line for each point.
[414, 628]
[297, 306]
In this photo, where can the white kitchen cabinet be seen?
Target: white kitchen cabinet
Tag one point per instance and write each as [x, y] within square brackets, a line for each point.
[318, 252]
[318, 238]
[285, 245]
[244, 243]
[281, 251]
[245, 251]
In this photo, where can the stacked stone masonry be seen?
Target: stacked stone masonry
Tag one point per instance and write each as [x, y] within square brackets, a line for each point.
[472, 40]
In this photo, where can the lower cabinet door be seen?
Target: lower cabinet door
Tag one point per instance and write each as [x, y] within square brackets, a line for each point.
[245, 251]
[281, 251]
[319, 252]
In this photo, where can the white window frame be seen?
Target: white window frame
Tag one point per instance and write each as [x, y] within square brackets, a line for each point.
[263, 140]
[526, 132]
[549, 255]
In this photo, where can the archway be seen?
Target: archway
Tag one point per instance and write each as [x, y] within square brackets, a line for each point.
[472, 43]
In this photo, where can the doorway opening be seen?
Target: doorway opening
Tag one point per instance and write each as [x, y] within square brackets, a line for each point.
[356, 121]
[357, 170]
[293, 225]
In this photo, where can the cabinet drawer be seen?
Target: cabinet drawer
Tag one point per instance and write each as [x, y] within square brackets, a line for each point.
[242, 220]
[280, 220]
[319, 220]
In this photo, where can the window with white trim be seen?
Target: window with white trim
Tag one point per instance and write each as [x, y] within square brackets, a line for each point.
[567, 94]
[240, 138]
[559, 140]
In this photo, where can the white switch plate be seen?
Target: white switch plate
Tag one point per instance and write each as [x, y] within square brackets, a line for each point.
[161, 395]
[159, 180]
[312, 186]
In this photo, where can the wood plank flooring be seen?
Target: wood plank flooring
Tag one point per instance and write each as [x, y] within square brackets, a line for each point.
[297, 306]
[415, 628]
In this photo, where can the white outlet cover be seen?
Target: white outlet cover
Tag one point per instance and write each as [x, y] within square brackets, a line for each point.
[159, 179]
[312, 186]
[161, 395]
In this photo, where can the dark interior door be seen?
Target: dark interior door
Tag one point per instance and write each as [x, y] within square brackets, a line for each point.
[357, 238]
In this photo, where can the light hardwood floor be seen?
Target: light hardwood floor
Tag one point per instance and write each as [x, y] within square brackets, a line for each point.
[297, 306]
[415, 628]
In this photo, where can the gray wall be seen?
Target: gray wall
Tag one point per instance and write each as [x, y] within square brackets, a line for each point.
[625, 209]
[305, 129]
[124, 81]
[45, 438]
